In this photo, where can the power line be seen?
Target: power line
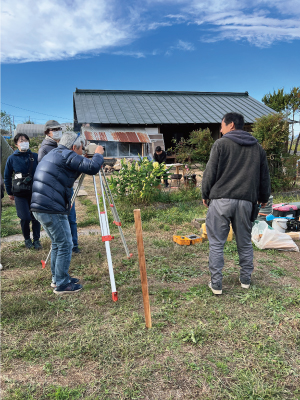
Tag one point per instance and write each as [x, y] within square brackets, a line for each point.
[26, 117]
[32, 118]
[36, 112]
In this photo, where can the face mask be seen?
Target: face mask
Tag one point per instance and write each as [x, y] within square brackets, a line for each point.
[56, 135]
[24, 146]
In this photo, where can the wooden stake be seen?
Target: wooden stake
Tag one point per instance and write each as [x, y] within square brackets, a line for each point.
[142, 262]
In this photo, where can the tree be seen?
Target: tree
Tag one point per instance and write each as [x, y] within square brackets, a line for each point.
[294, 103]
[6, 123]
[196, 148]
[272, 132]
[288, 103]
[277, 101]
[28, 122]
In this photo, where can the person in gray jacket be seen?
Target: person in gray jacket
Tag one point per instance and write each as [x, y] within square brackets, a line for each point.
[236, 178]
[53, 134]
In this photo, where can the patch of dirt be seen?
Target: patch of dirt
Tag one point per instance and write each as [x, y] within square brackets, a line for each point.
[25, 373]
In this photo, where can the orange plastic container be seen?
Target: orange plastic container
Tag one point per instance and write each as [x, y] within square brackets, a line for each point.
[182, 240]
[204, 233]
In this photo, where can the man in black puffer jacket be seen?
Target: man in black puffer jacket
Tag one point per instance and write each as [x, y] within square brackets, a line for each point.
[53, 134]
[236, 178]
[51, 202]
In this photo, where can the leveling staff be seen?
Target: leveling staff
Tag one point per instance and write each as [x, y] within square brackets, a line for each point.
[236, 178]
[51, 201]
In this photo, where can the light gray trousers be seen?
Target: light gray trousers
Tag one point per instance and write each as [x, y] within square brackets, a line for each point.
[220, 213]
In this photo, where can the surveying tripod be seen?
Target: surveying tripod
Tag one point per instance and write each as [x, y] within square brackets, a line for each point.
[103, 220]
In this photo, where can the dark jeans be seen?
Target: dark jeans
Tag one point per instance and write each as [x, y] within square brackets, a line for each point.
[58, 229]
[25, 215]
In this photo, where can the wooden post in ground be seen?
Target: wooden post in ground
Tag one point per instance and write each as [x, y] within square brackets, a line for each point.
[142, 263]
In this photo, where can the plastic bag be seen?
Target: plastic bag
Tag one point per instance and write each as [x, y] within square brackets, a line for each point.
[265, 237]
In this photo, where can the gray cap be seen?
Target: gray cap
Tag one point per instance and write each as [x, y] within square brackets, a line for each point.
[51, 124]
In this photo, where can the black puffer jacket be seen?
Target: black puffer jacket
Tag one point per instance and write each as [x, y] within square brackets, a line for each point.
[55, 176]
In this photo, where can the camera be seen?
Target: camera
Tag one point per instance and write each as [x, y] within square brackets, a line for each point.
[90, 149]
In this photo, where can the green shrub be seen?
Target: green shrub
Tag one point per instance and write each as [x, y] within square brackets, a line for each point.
[196, 148]
[272, 132]
[138, 182]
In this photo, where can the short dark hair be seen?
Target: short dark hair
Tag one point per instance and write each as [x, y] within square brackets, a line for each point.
[236, 118]
[18, 135]
[158, 148]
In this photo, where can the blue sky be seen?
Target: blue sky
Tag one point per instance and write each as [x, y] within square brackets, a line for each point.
[51, 47]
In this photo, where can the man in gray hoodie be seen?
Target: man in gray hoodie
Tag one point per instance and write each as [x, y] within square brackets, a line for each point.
[236, 178]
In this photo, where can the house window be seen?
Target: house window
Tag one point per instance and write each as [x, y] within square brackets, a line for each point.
[123, 149]
[135, 149]
[118, 149]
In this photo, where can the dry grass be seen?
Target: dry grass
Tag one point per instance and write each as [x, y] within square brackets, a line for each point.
[242, 345]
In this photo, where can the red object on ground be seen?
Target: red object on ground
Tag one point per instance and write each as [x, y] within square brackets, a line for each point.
[43, 263]
[115, 296]
[283, 211]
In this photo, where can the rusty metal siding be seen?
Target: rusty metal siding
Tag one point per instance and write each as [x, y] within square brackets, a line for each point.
[116, 136]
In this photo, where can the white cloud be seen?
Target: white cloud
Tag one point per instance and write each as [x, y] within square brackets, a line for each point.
[186, 46]
[181, 45]
[136, 54]
[260, 22]
[60, 29]
[56, 29]
[156, 25]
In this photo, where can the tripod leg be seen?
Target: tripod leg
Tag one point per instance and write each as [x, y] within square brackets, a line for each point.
[97, 200]
[117, 221]
[45, 262]
[76, 191]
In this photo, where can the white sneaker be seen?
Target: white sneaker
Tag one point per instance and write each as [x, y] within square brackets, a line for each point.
[244, 285]
[215, 291]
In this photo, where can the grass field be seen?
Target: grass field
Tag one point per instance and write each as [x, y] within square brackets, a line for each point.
[244, 344]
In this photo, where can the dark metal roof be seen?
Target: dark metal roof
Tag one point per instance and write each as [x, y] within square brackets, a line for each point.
[135, 107]
[33, 130]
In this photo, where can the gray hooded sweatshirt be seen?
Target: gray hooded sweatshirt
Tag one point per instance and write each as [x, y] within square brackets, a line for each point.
[237, 169]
